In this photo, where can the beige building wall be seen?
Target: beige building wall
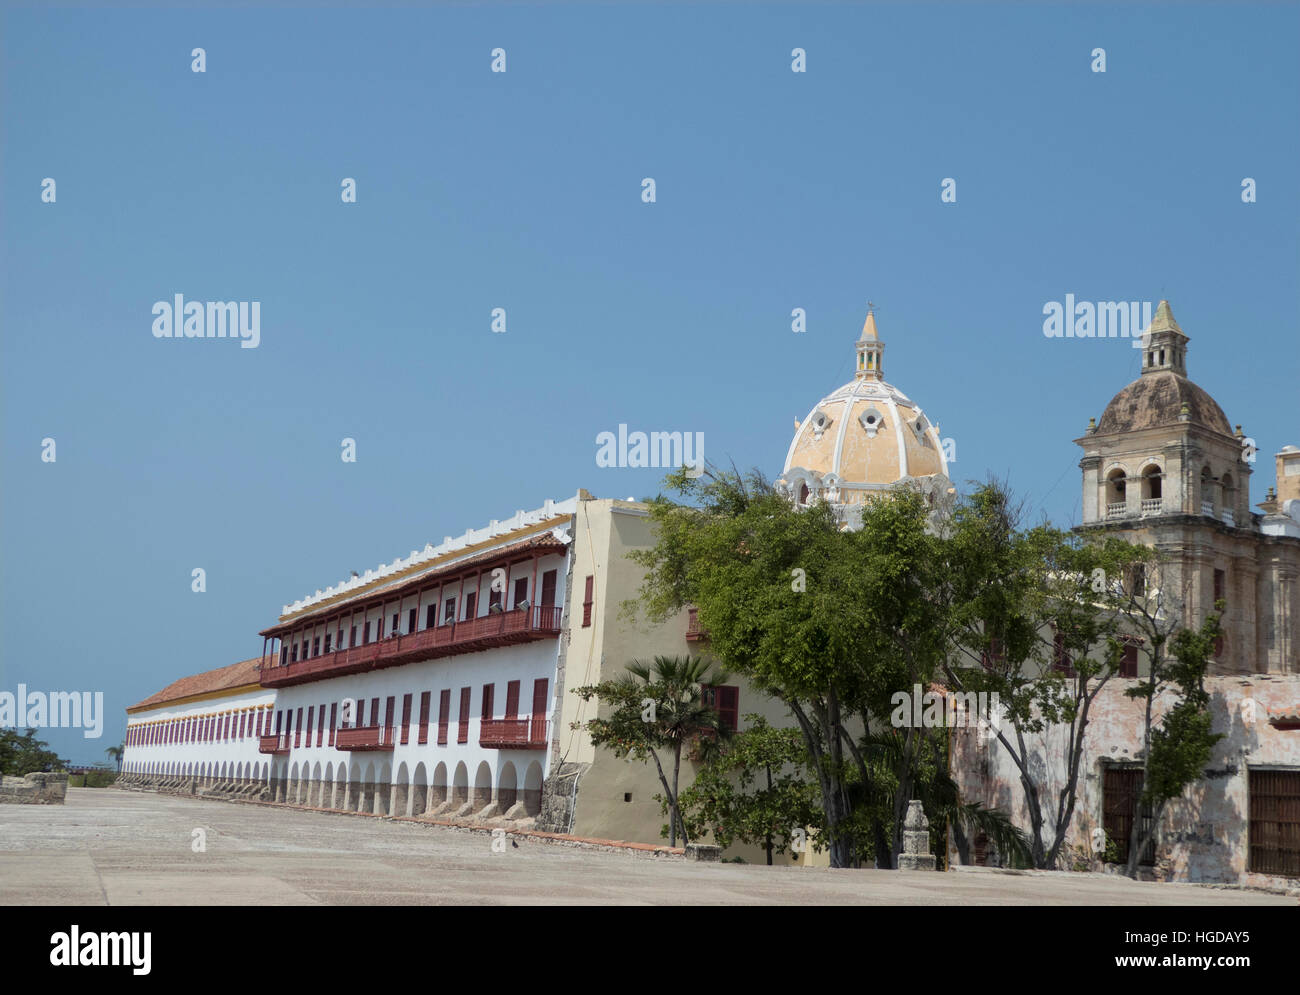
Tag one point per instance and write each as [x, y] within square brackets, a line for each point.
[615, 798]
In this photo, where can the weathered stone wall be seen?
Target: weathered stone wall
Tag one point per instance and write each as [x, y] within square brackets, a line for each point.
[559, 796]
[1203, 836]
[34, 789]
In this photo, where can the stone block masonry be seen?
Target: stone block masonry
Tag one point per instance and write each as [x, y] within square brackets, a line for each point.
[34, 789]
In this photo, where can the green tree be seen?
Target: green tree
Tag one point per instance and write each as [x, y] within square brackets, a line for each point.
[1177, 748]
[826, 620]
[656, 708]
[773, 814]
[25, 754]
[1015, 592]
[115, 754]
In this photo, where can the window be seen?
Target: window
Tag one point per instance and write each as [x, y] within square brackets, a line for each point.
[366, 633]
[320, 726]
[540, 687]
[424, 718]
[338, 640]
[548, 589]
[297, 730]
[494, 600]
[588, 600]
[311, 721]
[444, 708]
[521, 592]
[725, 700]
[471, 605]
[334, 723]
[293, 654]
[375, 718]
[430, 616]
[1138, 580]
[359, 719]
[406, 719]
[1275, 822]
[449, 611]
[352, 637]
[390, 712]
[994, 655]
[1121, 789]
[1061, 661]
[488, 692]
[327, 641]
[315, 646]
[284, 655]
[412, 617]
[462, 730]
[512, 700]
[1128, 665]
[394, 626]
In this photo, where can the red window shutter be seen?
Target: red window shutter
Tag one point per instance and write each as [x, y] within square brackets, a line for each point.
[729, 706]
[521, 591]
[406, 719]
[587, 601]
[334, 723]
[512, 700]
[320, 725]
[430, 616]
[311, 721]
[375, 718]
[540, 687]
[488, 691]
[444, 716]
[390, 712]
[424, 717]
[462, 731]
[548, 589]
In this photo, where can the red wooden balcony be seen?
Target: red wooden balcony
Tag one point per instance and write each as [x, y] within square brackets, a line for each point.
[513, 734]
[366, 738]
[273, 744]
[693, 631]
[519, 625]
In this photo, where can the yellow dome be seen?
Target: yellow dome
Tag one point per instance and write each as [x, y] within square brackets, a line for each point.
[863, 438]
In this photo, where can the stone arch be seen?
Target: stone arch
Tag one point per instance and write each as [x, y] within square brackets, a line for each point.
[1152, 482]
[533, 788]
[352, 800]
[438, 792]
[328, 788]
[460, 785]
[1116, 487]
[401, 795]
[482, 796]
[507, 787]
[1228, 492]
[291, 794]
[314, 797]
[367, 801]
[1207, 491]
[419, 790]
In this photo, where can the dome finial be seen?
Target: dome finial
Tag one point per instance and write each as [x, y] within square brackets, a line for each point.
[870, 348]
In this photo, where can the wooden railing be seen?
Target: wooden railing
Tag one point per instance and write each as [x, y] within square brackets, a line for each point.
[366, 738]
[503, 628]
[513, 734]
[273, 744]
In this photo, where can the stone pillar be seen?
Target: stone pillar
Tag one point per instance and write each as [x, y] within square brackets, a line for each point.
[916, 854]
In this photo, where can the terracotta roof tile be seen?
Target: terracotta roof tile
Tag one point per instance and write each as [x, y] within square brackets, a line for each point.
[221, 679]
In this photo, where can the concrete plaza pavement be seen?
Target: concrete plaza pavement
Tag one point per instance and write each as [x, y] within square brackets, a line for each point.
[111, 847]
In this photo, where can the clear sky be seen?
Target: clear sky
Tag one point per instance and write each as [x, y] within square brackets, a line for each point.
[523, 190]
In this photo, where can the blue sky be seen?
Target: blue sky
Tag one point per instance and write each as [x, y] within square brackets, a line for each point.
[522, 190]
